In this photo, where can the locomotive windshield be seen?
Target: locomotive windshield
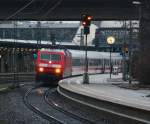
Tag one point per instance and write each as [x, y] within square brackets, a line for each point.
[52, 57]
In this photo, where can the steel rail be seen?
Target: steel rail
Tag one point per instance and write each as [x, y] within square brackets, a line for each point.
[37, 110]
[59, 108]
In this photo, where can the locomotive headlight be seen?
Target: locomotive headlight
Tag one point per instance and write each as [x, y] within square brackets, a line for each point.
[57, 70]
[41, 69]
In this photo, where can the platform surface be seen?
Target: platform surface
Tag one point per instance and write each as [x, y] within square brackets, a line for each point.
[103, 88]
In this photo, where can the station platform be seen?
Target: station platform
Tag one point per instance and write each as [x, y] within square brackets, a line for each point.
[102, 89]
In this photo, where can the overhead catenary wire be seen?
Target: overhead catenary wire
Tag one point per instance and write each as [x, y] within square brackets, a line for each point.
[28, 4]
[53, 8]
[38, 10]
[19, 10]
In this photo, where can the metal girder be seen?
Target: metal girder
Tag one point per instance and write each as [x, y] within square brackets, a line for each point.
[66, 9]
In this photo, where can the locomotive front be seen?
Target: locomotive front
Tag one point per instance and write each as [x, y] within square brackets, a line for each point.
[49, 66]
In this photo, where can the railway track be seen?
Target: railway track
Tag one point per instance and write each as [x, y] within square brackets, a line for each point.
[54, 114]
[59, 108]
[37, 110]
[45, 115]
[107, 110]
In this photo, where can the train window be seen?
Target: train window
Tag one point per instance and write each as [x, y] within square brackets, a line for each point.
[100, 62]
[52, 57]
[93, 62]
[45, 56]
[77, 62]
[96, 62]
[55, 57]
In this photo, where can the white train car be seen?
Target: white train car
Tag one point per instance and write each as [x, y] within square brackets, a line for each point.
[98, 62]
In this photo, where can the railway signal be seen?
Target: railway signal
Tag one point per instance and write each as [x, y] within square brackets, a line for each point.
[86, 22]
[125, 48]
[34, 55]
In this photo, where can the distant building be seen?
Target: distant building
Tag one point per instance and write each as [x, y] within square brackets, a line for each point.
[29, 30]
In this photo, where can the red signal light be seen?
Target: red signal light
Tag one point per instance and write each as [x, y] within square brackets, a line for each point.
[84, 23]
[86, 20]
[89, 17]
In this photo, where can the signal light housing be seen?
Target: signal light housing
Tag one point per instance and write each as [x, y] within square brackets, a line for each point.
[86, 20]
[35, 56]
[125, 48]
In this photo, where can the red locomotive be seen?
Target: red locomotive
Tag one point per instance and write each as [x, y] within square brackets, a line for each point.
[53, 65]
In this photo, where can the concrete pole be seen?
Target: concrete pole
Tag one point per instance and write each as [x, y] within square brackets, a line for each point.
[124, 56]
[82, 38]
[86, 76]
[110, 62]
[130, 54]
[38, 34]
[15, 82]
